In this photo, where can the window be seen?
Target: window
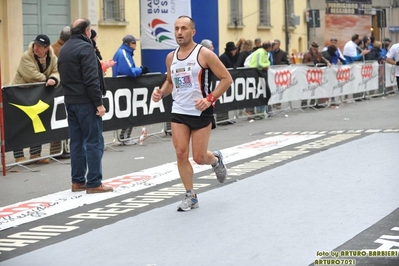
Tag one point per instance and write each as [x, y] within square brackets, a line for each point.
[264, 13]
[114, 10]
[236, 13]
[291, 13]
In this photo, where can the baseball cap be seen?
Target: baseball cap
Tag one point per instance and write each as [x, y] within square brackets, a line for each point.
[129, 39]
[42, 40]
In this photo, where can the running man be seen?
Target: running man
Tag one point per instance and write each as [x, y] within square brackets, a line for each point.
[189, 70]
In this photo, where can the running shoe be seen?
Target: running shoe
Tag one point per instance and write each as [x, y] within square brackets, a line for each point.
[220, 169]
[190, 202]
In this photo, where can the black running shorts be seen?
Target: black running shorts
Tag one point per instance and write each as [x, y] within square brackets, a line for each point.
[193, 122]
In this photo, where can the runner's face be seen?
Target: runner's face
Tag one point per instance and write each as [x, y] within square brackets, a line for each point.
[184, 31]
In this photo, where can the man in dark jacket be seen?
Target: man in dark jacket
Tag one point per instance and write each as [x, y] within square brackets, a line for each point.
[229, 58]
[83, 85]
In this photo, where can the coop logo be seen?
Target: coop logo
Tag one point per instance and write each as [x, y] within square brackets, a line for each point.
[283, 78]
[343, 74]
[367, 71]
[314, 76]
[159, 31]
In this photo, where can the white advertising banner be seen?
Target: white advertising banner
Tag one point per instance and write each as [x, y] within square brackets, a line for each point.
[390, 77]
[296, 82]
[157, 22]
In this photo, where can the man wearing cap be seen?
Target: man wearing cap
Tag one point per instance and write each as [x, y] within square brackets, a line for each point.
[83, 84]
[125, 66]
[38, 64]
[228, 58]
[313, 56]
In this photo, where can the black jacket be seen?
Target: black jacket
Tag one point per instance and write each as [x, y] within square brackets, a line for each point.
[80, 71]
[228, 60]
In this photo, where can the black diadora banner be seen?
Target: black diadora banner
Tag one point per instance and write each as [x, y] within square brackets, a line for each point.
[35, 114]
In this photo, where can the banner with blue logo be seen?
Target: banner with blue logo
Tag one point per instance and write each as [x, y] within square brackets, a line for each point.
[157, 27]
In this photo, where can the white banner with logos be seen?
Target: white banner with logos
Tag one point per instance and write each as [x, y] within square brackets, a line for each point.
[157, 22]
[390, 77]
[296, 82]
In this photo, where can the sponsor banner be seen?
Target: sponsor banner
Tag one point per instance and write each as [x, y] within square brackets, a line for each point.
[41, 117]
[157, 30]
[157, 22]
[296, 82]
[390, 77]
[33, 115]
[35, 209]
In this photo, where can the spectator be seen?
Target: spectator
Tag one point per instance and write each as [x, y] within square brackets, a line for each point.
[351, 52]
[375, 53]
[314, 57]
[260, 60]
[331, 54]
[192, 108]
[371, 44]
[257, 43]
[106, 63]
[228, 57]
[385, 47]
[38, 64]
[240, 45]
[55, 147]
[93, 39]
[125, 65]
[83, 84]
[64, 36]
[245, 52]
[280, 57]
[339, 56]
[208, 44]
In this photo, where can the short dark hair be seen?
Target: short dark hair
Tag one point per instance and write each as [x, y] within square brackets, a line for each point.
[266, 45]
[191, 20]
[355, 37]
[81, 27]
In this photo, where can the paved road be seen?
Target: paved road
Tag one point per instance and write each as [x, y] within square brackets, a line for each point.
[302, 184]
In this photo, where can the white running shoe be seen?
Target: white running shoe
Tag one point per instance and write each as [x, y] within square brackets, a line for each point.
[190, 202]
[220, 169]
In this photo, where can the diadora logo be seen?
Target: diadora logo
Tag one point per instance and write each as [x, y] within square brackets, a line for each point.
[33, 113]
[283, 78]
[159, 31]
[314, 76]
[343, 74]
[367, 71]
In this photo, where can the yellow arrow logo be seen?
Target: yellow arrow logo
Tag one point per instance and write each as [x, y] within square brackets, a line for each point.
[33, 113]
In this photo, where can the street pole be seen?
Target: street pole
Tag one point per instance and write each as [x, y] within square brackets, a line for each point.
[287, 42]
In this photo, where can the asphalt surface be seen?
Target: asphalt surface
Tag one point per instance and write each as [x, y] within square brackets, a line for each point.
[301, 185]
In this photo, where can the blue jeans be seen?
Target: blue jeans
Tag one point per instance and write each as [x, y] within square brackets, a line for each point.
[86, 144]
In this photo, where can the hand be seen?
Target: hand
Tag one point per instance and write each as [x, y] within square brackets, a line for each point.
[397, 63]
[202, 104]
[109, 63]
[157, 95]
[144, 70]
[100, 110]
[365, 52]
[50, 82]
